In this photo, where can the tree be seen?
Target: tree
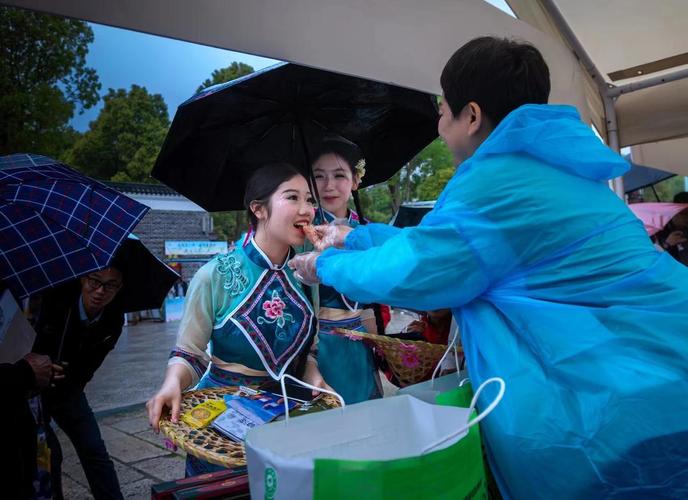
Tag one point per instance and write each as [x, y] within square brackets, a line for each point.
[124, 141]
[377, 203]
[231, 72]
[228, 225]
[435, 166]
[43, 77]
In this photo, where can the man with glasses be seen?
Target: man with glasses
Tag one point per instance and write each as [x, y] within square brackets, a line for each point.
[78, 324]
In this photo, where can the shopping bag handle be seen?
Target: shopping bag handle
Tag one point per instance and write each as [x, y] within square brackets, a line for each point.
[478, 418]
[452, 343]
[320, 389]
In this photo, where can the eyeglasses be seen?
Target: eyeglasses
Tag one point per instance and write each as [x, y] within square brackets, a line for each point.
[108, 286]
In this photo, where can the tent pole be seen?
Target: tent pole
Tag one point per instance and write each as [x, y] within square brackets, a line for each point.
[602, 86]
[617, 184]
[578, 50]
[653, 81]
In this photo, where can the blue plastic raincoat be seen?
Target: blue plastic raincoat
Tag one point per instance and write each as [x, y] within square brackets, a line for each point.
[559, 291]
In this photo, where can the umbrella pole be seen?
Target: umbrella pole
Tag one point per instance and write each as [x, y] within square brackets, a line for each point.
[309, 167]
[655, 192]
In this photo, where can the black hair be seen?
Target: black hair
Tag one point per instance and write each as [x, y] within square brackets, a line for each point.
[264, 182]
[681, 197]
[498, 74]
[339, 146]
[351, 153]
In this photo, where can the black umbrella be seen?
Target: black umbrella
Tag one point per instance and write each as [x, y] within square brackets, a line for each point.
[640, 176]
[282, 113]
[146, 278]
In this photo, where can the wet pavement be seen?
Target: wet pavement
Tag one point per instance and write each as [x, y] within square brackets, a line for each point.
[134, 370]
[140, 457]
[130, 375]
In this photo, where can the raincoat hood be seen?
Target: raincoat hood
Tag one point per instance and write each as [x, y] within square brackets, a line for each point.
[555, 135]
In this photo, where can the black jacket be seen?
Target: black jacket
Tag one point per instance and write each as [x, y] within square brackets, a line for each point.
[18, 430]
[85, 346]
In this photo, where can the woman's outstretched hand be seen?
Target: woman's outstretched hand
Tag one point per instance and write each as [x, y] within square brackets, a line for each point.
[313, 377]
[169, 396]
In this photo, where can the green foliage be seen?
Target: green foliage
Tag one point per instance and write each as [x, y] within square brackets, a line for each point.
[123, 142]
[423, 178]
[665, 189]
[230, 225]
[43, 77]
[433, 185]
[377, 203]
[234, 70]
[430, 170]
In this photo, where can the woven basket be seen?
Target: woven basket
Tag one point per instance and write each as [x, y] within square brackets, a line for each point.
[411, 361]
[205, 443]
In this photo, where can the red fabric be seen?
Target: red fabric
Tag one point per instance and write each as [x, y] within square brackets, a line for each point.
[433, 335]
[386, 314]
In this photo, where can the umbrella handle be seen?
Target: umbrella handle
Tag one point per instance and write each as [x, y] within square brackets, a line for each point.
[64, 333]
[309, 166]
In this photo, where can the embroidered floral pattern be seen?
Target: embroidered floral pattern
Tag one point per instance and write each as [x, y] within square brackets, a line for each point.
[236, 281]
[276, 345]
[409, 356]
[274, 311]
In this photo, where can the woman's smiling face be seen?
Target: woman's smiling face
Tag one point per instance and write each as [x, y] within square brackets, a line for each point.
[289, 207]
[335, 182]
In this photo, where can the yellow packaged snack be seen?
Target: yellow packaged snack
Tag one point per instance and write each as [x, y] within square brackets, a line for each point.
[201, 415]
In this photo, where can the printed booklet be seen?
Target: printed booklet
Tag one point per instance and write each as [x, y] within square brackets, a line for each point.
[246, 410]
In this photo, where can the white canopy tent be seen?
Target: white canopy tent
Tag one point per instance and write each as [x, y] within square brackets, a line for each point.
[635, 54]
[629, 78]
[404, 42]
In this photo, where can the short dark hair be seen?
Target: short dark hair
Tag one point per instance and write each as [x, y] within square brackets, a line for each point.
[498, 74]
[341, 147]
[264, 182]
[681, 197]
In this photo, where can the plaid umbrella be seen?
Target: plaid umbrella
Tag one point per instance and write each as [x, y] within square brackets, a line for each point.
[57, 224]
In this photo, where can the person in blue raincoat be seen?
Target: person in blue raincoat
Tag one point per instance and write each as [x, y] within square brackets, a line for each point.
[553, 281]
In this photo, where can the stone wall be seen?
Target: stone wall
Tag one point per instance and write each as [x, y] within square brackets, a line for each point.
[159, 226]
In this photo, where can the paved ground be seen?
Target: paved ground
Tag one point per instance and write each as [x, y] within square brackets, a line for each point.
[133, 371]
[140, 457]
[129, 376]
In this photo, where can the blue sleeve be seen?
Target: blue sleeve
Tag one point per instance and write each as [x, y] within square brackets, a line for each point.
[474, 238]
[422, 268]
[369, 236]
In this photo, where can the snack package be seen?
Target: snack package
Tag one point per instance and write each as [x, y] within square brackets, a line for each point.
[201, 415]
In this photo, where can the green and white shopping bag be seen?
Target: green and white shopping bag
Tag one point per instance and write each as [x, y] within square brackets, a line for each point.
[392, 448]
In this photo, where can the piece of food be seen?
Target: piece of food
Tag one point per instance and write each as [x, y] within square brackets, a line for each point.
[311, 233]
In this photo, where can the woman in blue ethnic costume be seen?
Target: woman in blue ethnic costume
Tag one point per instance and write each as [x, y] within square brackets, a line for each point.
[556, 287]
[346, 365]
[246, 304]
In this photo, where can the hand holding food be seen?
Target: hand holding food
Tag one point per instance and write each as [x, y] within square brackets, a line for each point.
[328, 235]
